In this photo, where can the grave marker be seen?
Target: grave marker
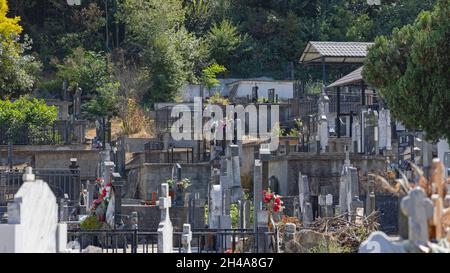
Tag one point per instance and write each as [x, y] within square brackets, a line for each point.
[165, 228]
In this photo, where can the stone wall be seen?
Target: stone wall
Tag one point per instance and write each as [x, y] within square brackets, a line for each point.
[323, 170]
[54, 156]
[147, 177]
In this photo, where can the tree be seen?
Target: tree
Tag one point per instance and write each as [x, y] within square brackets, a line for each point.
[411, 70]
[85, 69]
[17, 70]
[26, 115]
[223, 39]
[157, 38]
[105, 102]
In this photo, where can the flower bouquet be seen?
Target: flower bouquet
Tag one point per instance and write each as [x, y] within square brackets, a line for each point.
[100, 205]
[273, 204]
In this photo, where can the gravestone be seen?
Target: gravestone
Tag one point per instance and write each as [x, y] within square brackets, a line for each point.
[244, 214]
[33, 220]
[165, 228]
[346, 190]
[186, 238]
[90, 194]
[379, 242]
[257, 191]
[356, 205]
[215, 210]
[419, 209]
[329, 205]
[236, 187]
[322, 204]
[303, 190]
[307, 215]
[384, 129]
[370, 196]
[271, 95]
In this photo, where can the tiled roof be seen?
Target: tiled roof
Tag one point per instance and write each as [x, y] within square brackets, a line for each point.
[354, 51]
[353, 77]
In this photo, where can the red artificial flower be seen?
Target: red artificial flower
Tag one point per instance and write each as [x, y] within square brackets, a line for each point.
[278, 200]
[276, 207]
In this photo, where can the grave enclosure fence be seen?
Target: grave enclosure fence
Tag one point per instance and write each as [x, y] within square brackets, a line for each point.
[203, 241]
[61, 182]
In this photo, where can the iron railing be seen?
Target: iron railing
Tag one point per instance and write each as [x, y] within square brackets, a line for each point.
[203, 241]
[61, 181]
[60, 132]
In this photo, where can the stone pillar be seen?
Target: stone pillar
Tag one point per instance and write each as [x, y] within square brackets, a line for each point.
[257, 192]
[186, 238]
[90, 194]
[108, 171]
[329, 205]
[236, 188]
[117, 184]
[165, 228]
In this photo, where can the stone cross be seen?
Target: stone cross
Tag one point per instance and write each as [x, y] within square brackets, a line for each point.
[165, 228]
[419, 209]
[186, 238]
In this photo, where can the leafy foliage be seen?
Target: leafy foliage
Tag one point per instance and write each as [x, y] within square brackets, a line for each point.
[26, 114]
[411, 70]
[17, 70]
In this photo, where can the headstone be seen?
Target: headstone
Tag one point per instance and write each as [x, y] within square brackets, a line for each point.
[370, 196]
[257, 190]
[329, 205]
[186, 238]
[322, 206]
[307, 215]
[90, 194]
[379, 242]
[289, 231]
[117, 194]
[303, 190]
[244, 214]
[165, 228]
[236, 187]
[33, 220]
[419, 209]
[355, 206]
[215, 211]
[271, 95]
[384, 129]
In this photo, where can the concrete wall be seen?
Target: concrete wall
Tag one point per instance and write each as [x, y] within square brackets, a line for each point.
[54, 156]
[323, 170]
[284, 89]
[149, 176]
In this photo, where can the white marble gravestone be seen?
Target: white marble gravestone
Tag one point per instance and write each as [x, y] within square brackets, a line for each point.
[165, 228]
[33, 220]
[186, 238]
[419, 209]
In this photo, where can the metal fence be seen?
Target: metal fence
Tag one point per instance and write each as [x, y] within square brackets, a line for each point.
[60, 132]
[203, 241]
[61, 181]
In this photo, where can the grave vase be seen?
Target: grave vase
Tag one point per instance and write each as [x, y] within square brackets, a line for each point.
[172, 195]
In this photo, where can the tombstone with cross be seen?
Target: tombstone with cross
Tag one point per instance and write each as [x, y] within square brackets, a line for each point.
[419, 209]
[165, 228]
[186, 238]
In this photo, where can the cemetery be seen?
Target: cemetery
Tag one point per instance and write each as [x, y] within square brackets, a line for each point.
[106, 162]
